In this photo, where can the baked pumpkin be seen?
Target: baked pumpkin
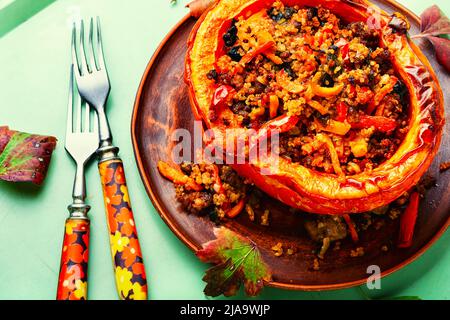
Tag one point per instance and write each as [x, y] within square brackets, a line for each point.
[357, 105]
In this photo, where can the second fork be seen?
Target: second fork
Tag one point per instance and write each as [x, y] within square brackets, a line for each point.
[81, 143]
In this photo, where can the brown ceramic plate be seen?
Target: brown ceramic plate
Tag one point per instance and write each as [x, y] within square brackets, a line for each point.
[162, 105]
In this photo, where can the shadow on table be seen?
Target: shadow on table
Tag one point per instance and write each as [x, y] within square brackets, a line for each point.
[19, 189]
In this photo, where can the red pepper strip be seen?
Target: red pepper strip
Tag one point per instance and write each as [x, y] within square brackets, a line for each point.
[351, 228]
[249, 56]
[234, 212]
[280, 124]
[221, 95]
[380, 123]
[177, 176]
[408, 222]
[342, 110]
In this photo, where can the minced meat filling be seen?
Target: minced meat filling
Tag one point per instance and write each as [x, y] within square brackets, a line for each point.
[221, 186]
[335, 77]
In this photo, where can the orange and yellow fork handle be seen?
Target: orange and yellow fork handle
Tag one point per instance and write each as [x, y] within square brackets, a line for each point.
[72, 282]
[131, 281]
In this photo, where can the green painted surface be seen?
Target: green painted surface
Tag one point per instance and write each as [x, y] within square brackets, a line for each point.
[15, 12]
[34, 64]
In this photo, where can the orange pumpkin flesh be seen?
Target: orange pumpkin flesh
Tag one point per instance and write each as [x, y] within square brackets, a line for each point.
[294, 184]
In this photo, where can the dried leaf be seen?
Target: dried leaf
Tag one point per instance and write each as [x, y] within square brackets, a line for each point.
[198, 7]
[238, 260]
[434, 22]
[24, 157]
[442, 48]
[5, 136]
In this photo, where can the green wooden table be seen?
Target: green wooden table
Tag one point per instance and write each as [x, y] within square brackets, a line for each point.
[34, 66]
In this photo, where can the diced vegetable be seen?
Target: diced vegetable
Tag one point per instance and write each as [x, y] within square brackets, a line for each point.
[177, 176]
[316, 105]
[336, 127]
[274, 103]
[342, 110]
[359, 147]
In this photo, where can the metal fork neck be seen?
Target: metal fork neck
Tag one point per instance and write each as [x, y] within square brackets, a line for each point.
[106, 151]
[79, 208]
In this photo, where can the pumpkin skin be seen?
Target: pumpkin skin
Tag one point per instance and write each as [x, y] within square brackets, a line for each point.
[294, 184]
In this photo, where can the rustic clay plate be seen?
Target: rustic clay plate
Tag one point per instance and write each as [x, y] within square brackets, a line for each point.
[162, 105]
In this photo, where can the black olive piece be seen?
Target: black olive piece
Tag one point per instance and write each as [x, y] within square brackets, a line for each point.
[275, 17]
[400, 89]
[327, 81]
[289, 12]
[312, 12]
[233, 30]
[334, 47]
[212, 75]
[229, 39]
[234, 54]
[286, 66]
[351, 79]
[317, 60]
[323, 119]
[246, 121]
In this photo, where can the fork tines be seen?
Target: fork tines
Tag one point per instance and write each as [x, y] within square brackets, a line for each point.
[96, 59]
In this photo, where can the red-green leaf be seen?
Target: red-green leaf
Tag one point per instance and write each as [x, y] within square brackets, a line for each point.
[442, 48]
[5, 136]
[434, 22]
[24, 157]
[237, 261]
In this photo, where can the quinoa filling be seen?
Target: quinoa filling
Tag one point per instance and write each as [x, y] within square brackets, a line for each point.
[335, 77]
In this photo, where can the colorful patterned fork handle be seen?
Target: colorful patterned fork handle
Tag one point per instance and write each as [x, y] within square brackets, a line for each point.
[126, 253]
[72, 283]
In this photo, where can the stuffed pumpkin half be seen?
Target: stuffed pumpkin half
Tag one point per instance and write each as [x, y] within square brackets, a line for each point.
[358, 109]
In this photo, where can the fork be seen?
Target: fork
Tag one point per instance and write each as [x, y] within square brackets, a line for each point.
[94, 87]
[81, 143]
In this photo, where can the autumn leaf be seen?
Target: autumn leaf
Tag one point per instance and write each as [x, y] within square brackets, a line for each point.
[435, 24]
[442, 48]
[237, 261]
[24, 157]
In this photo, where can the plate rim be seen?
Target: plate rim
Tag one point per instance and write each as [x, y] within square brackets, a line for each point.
[192, 246]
